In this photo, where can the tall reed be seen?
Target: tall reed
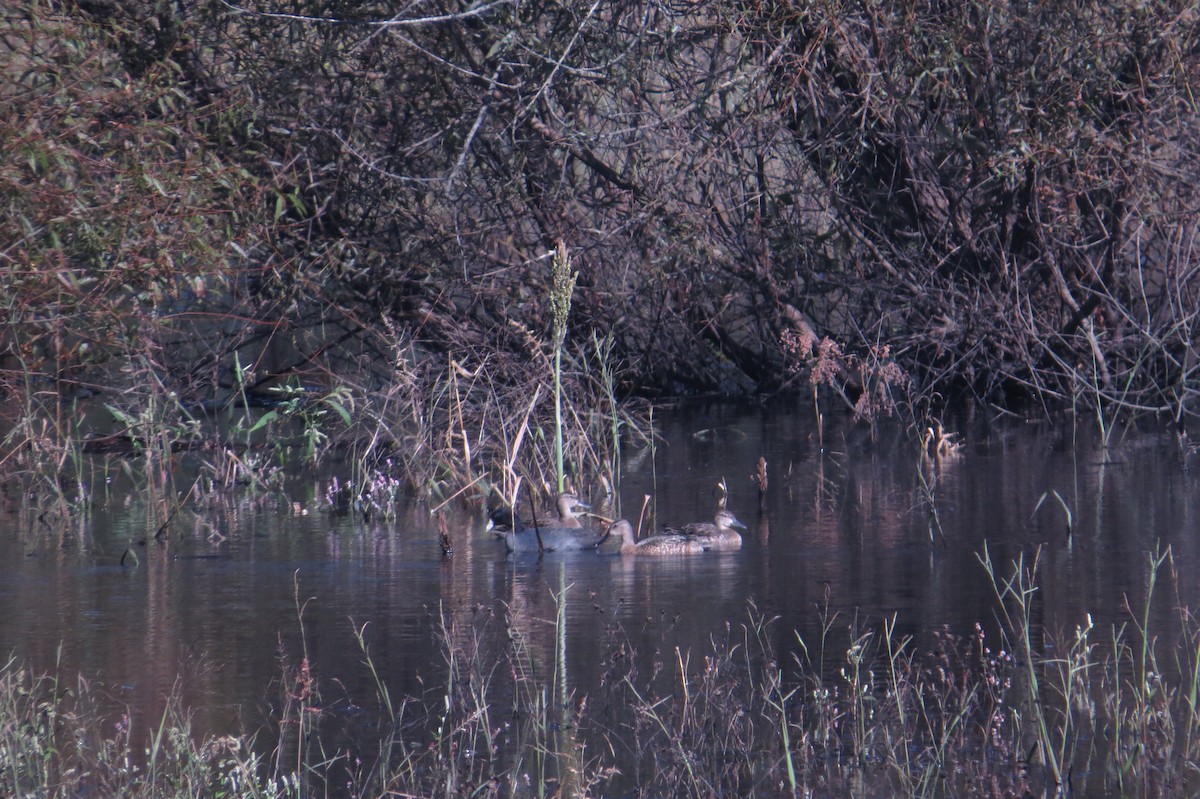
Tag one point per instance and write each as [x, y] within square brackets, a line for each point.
[1015, 598]
[562, 286]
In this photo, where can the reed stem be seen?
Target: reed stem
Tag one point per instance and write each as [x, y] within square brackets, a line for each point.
[561, 288]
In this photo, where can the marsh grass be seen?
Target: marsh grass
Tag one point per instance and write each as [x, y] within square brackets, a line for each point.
[57, 738]
[466, 427]
[479, 427]
[859, 708]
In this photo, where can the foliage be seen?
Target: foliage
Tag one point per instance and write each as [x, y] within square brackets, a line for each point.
[208, 201]
[1011, 185]
[120, 213]
[999, 195]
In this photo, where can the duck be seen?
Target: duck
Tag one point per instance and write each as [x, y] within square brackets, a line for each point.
[666, 544]
[553, 539]
[720, 533]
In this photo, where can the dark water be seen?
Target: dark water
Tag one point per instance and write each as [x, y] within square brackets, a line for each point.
[849, 528]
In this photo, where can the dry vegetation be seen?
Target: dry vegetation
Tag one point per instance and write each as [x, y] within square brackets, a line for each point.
[207, 204]
[860, 710]
[329, 226]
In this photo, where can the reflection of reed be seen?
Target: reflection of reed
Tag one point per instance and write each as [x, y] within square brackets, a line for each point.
[764, 529]
[543, 744]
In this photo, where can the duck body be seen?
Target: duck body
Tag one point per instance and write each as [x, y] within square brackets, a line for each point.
[720, 533]
[553, 539]
[666, 544]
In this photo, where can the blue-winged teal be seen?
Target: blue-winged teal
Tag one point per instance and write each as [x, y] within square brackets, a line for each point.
[553, 539]
[656, 544]
[717, 534]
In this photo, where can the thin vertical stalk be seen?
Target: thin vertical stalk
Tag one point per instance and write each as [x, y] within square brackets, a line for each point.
[561, 288]
[1018, 628]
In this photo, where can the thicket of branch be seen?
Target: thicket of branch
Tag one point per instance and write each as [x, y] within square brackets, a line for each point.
[1000, 198]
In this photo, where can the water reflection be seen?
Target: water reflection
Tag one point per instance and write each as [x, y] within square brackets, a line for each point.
[851, 527]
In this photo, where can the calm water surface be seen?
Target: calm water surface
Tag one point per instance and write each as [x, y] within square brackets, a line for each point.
[850, 528]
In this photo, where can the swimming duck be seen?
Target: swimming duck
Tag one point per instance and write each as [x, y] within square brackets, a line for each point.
[553, 539]
[667, 544]
[717, 534]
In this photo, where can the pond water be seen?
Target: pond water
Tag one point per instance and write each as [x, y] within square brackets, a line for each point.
[857, 527]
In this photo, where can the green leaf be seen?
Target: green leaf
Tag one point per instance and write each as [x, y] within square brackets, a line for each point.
[264, 420]
[341, 411]
[297, 203]
[120, 415]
